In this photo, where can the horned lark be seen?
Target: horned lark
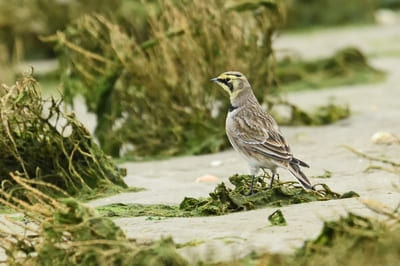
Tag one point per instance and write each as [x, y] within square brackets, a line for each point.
[254, 134]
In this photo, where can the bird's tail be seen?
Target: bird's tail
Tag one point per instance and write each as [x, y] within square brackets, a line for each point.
[295, 170]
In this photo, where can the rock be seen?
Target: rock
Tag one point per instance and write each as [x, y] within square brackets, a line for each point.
[207, 179]
[216, 163]
[385, 138]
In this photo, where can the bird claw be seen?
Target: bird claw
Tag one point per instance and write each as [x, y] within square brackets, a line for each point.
[251, 192]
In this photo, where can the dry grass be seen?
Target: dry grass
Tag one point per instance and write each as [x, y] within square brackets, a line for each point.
[44, 144]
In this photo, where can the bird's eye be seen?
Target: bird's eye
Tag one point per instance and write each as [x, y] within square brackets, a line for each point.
[227, 79]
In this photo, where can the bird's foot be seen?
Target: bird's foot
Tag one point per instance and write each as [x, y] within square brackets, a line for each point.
[251, 192]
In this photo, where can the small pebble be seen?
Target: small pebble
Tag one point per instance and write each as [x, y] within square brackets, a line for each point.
[216, 163]
[207, 179]
[384, 138]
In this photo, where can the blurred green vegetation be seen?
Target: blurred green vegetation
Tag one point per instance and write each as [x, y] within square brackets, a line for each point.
[156, 94]
[316, 13]
[392, 4]
[346, 66]
[23, 21]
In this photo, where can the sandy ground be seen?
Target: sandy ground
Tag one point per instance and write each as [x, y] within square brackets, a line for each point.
[375, 107]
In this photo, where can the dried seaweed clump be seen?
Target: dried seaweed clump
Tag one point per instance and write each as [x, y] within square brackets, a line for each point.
[155, 95]
[44, 144]
[64, 232]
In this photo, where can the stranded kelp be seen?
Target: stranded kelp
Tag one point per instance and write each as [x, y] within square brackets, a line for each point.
[286, 113]
[64, 232]
[346, 67]
[224, 200]
[44, 144]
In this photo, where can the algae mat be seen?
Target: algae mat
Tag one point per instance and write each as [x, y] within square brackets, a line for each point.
[224, 200]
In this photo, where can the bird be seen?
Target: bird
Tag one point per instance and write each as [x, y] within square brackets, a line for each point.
[254, 134]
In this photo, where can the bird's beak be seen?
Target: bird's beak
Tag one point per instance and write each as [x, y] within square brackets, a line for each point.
[214, 80]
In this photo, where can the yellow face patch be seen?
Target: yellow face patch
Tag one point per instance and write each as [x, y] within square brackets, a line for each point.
[229, 82]
[225, 82]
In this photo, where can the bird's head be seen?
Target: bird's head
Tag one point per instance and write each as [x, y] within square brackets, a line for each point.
[232, 82]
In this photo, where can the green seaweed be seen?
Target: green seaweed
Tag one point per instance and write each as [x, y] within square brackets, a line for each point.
[326, 174]
[321, 115]
[133, 210]
[346, 66]
[224, 200]
[192, 243]
[277, 218]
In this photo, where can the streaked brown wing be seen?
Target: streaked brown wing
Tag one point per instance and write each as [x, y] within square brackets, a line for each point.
[260, 132]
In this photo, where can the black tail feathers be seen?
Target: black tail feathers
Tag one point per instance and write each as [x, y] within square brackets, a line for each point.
[294, 169]
[299, 162]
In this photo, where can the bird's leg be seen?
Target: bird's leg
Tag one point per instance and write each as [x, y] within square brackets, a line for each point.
[272, 180]
[251, 186]
[274, 174]
[265, 175]
[253, 171]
